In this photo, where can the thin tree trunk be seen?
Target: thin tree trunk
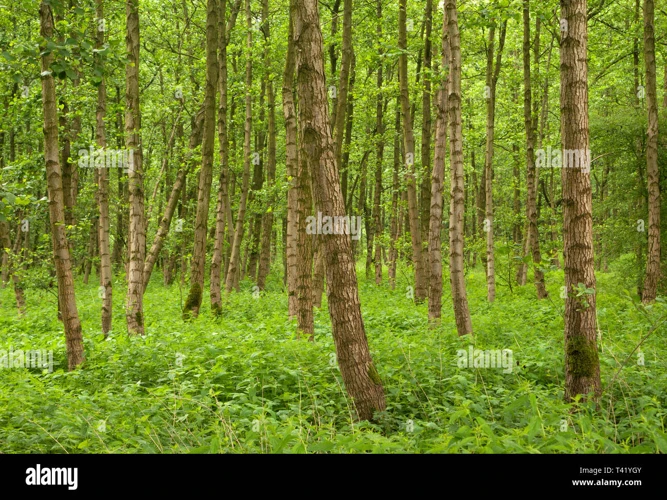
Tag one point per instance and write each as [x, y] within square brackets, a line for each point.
[291, 165]
[379, 157]
[492, 73]
[233, 274]
[533, 238]
[194, 299]
[420, 292]
[106, 288]
[67, 299]
[457, 203]
[437, 186]
[165, 221]
[394, 230]
[137, 231]
[267, 217]
[425, 209]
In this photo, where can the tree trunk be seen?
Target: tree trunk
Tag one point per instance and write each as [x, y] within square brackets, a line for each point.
[106, 288]
[137, 232]
[420, 291]
[359, 375]
[394, 230]
[291, 165]
[66, 296]
[532, 236]
[582, 366]
[492, 73]
[165, 221]
[194, 299]
[437, 186]
[457, 203]
[425, 209]
[652, 170]
[233, 274]
[376, 230]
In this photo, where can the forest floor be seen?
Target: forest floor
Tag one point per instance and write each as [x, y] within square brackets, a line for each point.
[243, 383]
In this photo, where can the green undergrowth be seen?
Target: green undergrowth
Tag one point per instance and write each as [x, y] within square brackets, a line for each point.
[242, 382]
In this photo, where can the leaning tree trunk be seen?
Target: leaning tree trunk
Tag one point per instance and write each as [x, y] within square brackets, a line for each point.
[359, 375]
[582, 366]
[457, 194]
[194, 299]
[652, 171]
[409, 151]
[437, 185]
[137, 233]
[165, 221]
[61, 256]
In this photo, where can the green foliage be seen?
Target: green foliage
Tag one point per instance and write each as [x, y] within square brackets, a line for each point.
[243, 383]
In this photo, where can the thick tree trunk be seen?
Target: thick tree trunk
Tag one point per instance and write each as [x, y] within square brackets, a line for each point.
[137, 232]
[457, 203]
[359, 375]
[67, 299]
[652, 170]
[194, 299]
[582, 366]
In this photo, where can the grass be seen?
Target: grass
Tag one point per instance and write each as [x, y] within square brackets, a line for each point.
[242, 383]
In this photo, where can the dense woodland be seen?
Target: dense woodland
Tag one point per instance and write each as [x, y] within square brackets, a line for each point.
[335, 226]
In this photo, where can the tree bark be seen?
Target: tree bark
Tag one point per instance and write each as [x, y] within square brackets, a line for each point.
[137, 231]
[437, 186]
[194, 299]
[359, 375]
[652, 275]
[61, 255]
[457, 195]
[492, 73]
[420, 292]
[291, 166]
[532, 236]
[233, 274]
[582, 366]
